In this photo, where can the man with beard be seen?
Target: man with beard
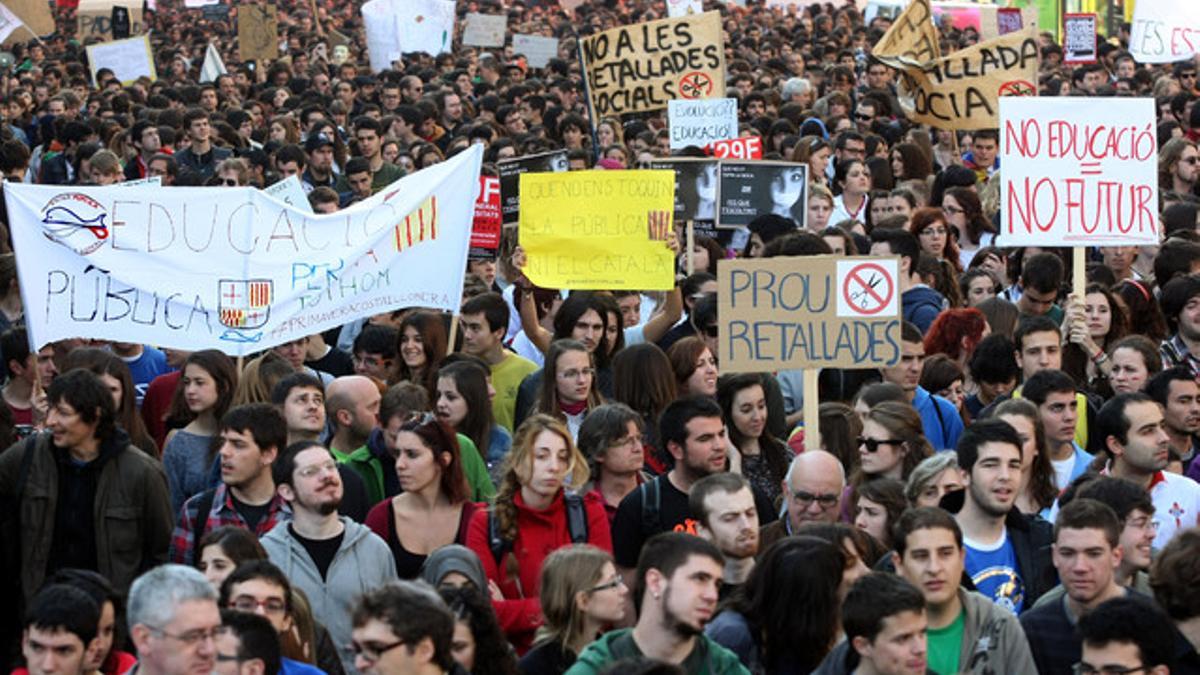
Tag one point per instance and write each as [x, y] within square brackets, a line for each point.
[1086, 554]
[723, 505]
[331, 558]
[678, 576]
[1136, 444]
[1007, 553]
[1175, 389]
[251, 437]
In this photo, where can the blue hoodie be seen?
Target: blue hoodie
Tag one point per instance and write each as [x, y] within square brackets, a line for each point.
[921, 305]
[941, 421]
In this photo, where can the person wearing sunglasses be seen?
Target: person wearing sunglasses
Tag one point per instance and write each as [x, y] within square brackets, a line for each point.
[403, 628]
[259, 587]
[892, 442]
[1178, 166]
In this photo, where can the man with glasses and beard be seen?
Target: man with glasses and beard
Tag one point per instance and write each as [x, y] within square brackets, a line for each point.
[678, 577]
[330, 557]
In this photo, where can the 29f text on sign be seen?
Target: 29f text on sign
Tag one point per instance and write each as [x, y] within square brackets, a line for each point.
[1078, 174]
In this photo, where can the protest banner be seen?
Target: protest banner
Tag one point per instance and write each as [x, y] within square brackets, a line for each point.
[485, 230]
[397, 27]
[911, 40]
[701, 122]
[960, 91]
[1077, 173]
[1164, 31]
[749, 147]
[35, 14]
[291, 192]
[485, 30]
[128, 59]
[233, 269]
[590, 230]
[94, 18]
[536, 49]
[677, 8]
[510, 171]
[383, 38]
[808, 313]
[749, 190]
[258, 32]
[1079, 38]
[641, 67]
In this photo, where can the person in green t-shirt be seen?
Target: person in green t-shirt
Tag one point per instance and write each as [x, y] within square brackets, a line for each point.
[967, 631]
[484, 321]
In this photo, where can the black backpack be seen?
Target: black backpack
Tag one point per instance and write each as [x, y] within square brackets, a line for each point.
[577, 525]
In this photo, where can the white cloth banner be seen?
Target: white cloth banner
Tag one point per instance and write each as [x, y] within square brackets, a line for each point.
[1164, 31]
[213, 66]
[232, 268]
[395, 27]
[9, 22]
[1077, 173]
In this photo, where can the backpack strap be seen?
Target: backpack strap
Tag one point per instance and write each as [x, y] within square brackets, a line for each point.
[198, 528]
[496, 541]
[652, 505]
[577, 522]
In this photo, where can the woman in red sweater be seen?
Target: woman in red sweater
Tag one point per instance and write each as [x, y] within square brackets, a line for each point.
[531, 519]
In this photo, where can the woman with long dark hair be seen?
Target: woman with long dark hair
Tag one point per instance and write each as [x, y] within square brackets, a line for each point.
[478, 644]
[644, 380]
[695, 367]
[852, 184]
[973, 231]
[1103, 322]
[204, 395]
[464, 402]
[113, 372]
[421, 347]
[568, 389]
[765, 625]
[1038, 491]
[764, 458]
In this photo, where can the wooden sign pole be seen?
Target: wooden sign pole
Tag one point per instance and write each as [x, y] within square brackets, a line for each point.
[690, 242]
[1079, 271]
[812, 415]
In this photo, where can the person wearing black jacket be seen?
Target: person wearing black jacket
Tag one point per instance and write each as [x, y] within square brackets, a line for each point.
[1008, 554]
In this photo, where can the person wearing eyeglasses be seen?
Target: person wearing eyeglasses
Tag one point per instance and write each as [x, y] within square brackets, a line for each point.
[259, 587]
[247, 645]
[1126, 636]
[568, 388]
[173, 622]
[1007, 552]
[812, 492]
[403, 628]
[329, 557]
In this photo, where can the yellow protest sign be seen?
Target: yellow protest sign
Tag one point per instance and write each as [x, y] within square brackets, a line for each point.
[912, 39]
[808, 312]
[258, 32]
[590, 230]
[962, 90]
[642, 67]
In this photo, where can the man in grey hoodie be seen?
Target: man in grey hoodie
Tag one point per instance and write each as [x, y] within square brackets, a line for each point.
[333, 559]
[968, 633]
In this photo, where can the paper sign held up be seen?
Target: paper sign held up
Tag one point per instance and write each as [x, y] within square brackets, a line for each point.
[538, 50]
[702, 122]
[808, 312]
[128, 59]
[676, 8]
[1078, 174]
[589, 230]
[485, 30]
[1079, 38]
[1164, 31]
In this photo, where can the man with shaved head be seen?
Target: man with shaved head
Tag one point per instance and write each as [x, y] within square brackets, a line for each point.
[352, 406]
[812, 493]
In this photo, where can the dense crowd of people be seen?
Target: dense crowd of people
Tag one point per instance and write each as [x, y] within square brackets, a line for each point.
[567, 482]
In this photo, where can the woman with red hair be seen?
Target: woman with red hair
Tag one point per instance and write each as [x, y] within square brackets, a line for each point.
[955, 332]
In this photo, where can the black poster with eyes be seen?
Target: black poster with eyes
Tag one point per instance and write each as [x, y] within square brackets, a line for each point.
[750, 189]
[510, 171]
[695, 192]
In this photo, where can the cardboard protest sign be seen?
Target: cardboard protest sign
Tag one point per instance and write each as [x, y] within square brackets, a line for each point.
[749, 190]
[912, 39]
[536, 49]
[810, 312]
[258, 32]
[485, 230]
[1164, 31]
[35, 14]
[641, 67]
[485, 30]
[960, 91]
[129, 59]
[510, 172]
[1076, 173]
[676, 8]
[701, 122]
[589, 230]
[233, 269]
[291, 192]
[94, 19]
[1079, 38]
[749, 147]
[696, 191]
